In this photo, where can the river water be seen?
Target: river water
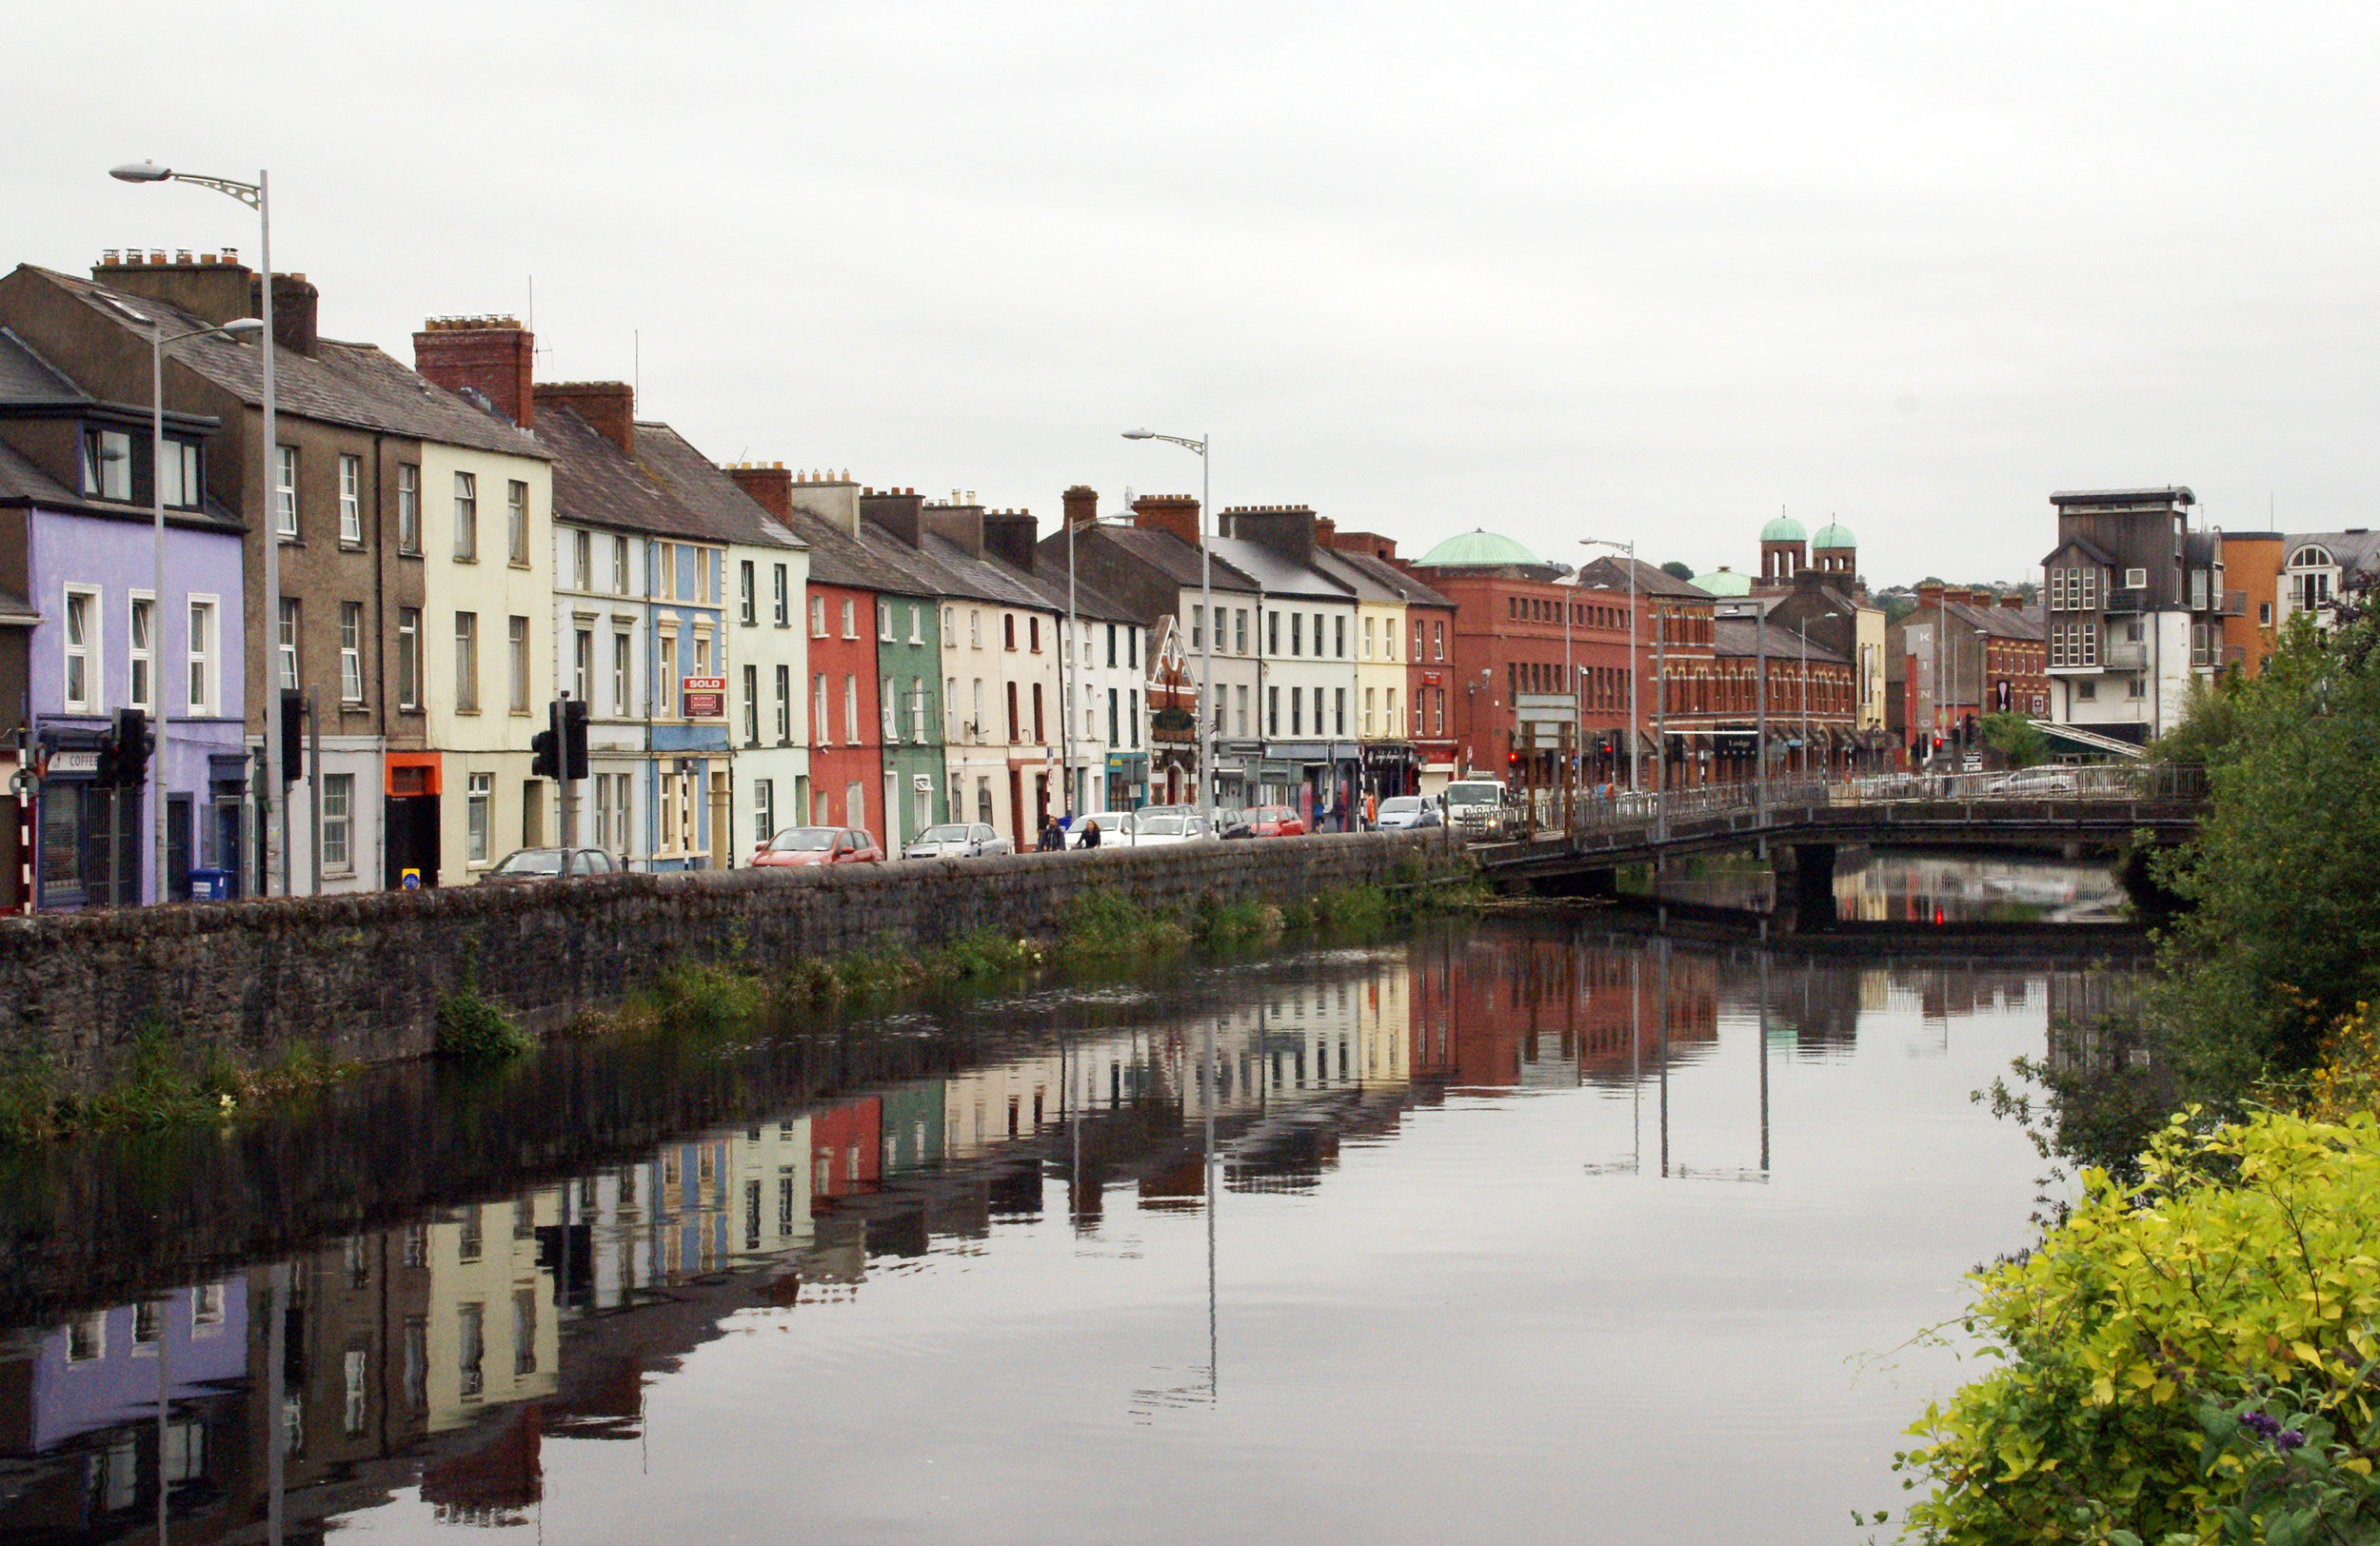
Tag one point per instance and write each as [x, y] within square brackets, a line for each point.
[1519, 1227]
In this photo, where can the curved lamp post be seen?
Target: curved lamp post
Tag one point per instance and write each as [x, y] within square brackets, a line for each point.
[256, 195]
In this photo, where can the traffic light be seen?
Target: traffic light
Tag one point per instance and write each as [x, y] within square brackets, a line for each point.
[573, 739]
[292, 736]
[546, 744]
[130, 743]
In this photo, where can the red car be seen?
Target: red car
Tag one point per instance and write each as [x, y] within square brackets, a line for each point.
[818, 845]
[1276, 822]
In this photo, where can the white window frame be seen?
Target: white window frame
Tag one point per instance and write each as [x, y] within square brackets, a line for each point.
[818, 617]
[850, 707]
[479, 794]
[581, 561]
[466, 662]
[409, 507]
[621, 566]
[408, 657]
[86, 654]
[350, 652]
[137, 656]
[338, 834]
[517, 648]
[284, 496]
[198, 647]
[350, 500]
[466, 517]
[850, 619]
[784, 704]
[783, 598]
[290, 628]
[887, 708]
[623, 670]
[517, 523]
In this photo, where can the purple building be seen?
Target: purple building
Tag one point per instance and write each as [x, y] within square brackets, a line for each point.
[77, 543]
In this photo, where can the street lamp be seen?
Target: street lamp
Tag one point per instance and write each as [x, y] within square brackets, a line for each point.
[256, 195]
[1208, 710]
[1803, 629]
[1630, 548]
[158, 339]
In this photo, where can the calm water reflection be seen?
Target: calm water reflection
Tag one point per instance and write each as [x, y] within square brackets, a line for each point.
[1903, 887]
[1521, 1227]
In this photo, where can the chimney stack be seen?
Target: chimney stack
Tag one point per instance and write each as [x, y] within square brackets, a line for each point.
[609, 406]
[1176, 513]
[768, 483]
[492, 356]
[214, 293]
[294, 304]
[1930, 595]
[1008, 535]
[2013, 600]
[1287, 529]
[1083, 506]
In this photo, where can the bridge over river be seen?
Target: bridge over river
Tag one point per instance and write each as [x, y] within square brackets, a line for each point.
[1578, 844]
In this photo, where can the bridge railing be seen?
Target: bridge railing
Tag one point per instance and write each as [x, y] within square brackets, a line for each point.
[1602, 810]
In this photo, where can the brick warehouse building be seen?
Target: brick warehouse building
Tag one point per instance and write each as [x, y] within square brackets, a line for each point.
[1529, 650]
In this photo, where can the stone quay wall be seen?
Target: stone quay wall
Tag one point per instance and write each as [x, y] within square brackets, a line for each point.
[358, 978]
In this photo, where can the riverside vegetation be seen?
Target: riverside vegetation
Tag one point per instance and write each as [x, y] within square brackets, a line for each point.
[2189, 1353]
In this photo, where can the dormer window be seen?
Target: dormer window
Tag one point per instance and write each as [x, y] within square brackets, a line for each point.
[184, 490]
[107, 463]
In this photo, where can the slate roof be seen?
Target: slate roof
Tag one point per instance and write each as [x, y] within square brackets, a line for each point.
[2086, 547]
[1174, 559]
[2350, 550]
[1741, 636]
[837, 559]
[597, 484]
[1278, 576]
[1652, 580]
[713, 497]
[27, 380]
[355, 385]
[1376, 579]
[2000, 621]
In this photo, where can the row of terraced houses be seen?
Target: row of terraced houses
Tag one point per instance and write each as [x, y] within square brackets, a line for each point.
[461, 544]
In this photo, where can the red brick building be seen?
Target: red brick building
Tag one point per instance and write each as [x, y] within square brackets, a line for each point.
[1527, 650]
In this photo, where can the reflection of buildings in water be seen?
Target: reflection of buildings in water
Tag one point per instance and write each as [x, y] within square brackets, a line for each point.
[1931, 888]
[2093, 1020]
[1502, 1011]
[78, 1416]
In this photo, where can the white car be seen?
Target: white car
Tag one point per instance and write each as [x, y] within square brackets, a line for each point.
[957, 840]
[1154, 826]
[1402, 813]
[2035, 781]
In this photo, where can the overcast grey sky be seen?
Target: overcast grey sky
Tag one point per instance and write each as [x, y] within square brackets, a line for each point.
[1556, 270]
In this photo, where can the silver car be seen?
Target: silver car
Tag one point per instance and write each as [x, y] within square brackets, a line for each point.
[957, 840]
[1402, 813]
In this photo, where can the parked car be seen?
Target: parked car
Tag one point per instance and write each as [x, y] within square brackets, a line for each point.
[1157, 826]
[1233, 824]
[1404, 813]
[1276, 821]
[1474, 803]
[957, 840]
[2035, 781]
[797, 845]
[524, 864]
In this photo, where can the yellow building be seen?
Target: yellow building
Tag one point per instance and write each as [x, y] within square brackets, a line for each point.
[484, 638]
[491, 1332]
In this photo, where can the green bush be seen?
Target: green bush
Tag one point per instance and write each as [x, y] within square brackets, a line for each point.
[472, 1030]
[699, 996]
[2015, 737]
[2187, 1361]
[1101, 927]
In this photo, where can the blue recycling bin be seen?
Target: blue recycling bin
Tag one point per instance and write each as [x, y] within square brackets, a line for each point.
[211, 885]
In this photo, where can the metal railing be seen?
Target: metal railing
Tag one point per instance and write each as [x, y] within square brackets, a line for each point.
[1658, 814]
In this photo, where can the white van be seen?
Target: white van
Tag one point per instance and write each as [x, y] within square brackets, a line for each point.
[1474, 803]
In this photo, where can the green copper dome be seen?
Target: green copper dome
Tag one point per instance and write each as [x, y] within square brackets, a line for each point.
[1783, 530]
[1724, 582]
[1834, 534]
[1478, 549]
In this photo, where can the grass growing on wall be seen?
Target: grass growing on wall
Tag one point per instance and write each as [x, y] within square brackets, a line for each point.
[472, 1030]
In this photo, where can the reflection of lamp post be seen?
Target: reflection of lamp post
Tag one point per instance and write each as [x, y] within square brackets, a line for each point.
[1210, 711]
[1629, 548]
[158, 339]
[256, 195]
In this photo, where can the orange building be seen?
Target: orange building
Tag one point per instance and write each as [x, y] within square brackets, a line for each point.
[2252, 580]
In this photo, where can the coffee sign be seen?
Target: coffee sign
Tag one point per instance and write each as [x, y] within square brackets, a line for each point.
[705, 698]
